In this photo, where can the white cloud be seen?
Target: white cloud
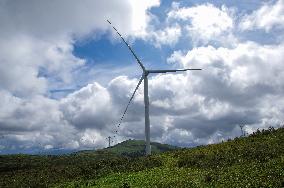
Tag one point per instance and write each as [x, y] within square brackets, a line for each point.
[36, 55]
[167, 36]
[27, 115]
[90, 107]
[267, 17]
[92, 138]
[187, 109]
[36, 38]
[249, 64]
[204, 22]
[57, 19]
[34, 122]
[141, 17]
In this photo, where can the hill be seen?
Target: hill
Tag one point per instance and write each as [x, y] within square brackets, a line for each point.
[253, 161]
[132, 148]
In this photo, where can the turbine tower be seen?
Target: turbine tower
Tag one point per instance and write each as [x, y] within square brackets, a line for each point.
[109, 140]
[144, 77]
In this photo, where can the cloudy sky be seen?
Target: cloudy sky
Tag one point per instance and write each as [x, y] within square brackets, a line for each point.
[65, 76]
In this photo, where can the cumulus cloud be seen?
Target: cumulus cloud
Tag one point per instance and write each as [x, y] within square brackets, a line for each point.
[269, 16]
[141, 17]
[37, 38]
[167, 36]
[90, 107]
[204, 22]
[60, 18]
[236, 86]
[33, 123]
[36, 55]
[27, 115]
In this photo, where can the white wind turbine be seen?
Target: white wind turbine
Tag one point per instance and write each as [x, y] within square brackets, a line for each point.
[144, 77]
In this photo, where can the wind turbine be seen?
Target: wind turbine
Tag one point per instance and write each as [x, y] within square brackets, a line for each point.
[109, 140]
[144, 77]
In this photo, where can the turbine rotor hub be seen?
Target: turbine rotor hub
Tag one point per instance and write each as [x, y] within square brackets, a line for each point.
[146, 72]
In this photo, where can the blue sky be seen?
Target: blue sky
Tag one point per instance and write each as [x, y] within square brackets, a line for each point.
[66, 77]
[104, 51]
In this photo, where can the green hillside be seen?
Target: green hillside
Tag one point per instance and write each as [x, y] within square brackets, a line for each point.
[254, 161]
[41, 171]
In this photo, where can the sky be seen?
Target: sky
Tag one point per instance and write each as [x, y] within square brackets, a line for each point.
[66, 77]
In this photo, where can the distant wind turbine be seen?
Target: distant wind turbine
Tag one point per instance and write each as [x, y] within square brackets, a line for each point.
[109, 140]
[144, 77]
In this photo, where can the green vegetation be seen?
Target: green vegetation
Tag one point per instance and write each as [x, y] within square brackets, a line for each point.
[254, 161]
[44, 171]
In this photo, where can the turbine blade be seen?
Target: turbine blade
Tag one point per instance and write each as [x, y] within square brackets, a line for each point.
[174, 70]
[132, 96]
[135, 56]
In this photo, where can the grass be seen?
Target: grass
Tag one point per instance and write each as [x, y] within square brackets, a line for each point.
[254, 161]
